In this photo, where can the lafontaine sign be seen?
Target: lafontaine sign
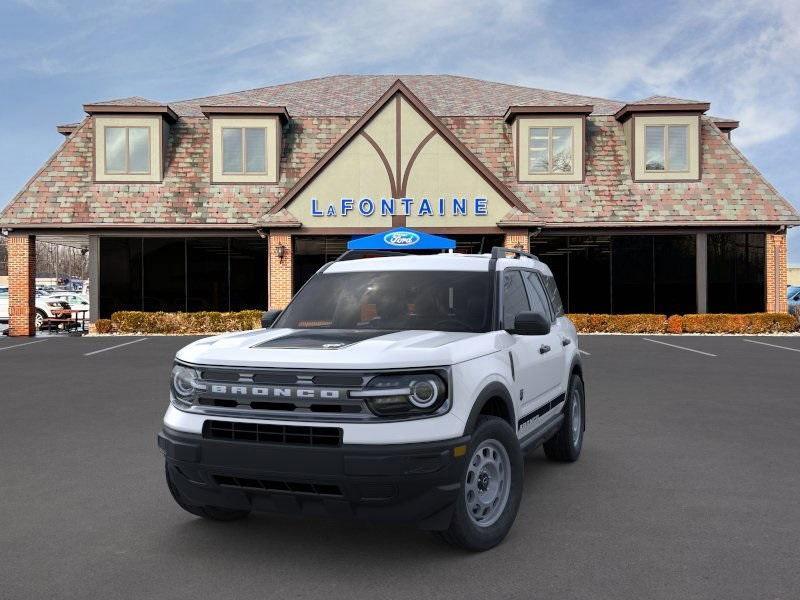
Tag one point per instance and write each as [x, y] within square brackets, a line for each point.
[422, 207]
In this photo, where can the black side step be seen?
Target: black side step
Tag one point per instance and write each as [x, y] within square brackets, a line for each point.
[536, 438]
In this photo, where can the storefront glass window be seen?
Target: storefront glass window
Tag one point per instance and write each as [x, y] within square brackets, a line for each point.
[180, 274]
[622, 274]
[736, 272]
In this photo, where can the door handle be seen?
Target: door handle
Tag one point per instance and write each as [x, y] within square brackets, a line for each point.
[566, 342]
[544, 349]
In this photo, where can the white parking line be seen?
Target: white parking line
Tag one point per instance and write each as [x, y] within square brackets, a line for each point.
[114, 347]
[20, 345]
[585, 353]
[680, 347]
[771, 345]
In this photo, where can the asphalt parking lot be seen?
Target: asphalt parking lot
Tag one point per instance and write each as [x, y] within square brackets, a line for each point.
[688, 487]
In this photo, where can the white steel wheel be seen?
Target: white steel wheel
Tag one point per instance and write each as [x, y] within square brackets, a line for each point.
[487, 483]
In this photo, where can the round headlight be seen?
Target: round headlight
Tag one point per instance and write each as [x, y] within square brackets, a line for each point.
[424, 393]
[183, 379]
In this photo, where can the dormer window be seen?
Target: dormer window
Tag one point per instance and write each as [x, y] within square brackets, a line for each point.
[548, 142]
[550, 150]
[666, 148]
[130, 140]
[245, 143]
[127, 150]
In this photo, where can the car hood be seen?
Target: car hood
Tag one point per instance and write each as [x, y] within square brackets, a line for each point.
[339, 348]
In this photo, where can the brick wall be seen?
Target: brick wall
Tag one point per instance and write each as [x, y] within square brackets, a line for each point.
[21, 284]
[280, 270]
[517, 237]
[776, 273]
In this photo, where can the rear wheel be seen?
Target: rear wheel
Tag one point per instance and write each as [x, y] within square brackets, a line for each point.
[215, 513]
[39, 319]
[566, 444]
[491, 488]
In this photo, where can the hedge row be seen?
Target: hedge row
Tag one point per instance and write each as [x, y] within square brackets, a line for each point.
[197, 322]
[213, 322]
[707, 323]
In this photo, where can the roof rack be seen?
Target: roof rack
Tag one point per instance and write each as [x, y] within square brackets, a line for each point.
[499, 252]
[356, 254]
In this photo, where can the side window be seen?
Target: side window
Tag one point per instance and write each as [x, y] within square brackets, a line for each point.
[537, 295]
[515, 299]
[555, 297]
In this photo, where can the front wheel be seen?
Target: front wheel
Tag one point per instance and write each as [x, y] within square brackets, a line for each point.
[566, 444]
[491, 488]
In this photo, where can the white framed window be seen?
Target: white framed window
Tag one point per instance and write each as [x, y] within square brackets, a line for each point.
[127, 150]
[244, 150]
[666, 148]
[550, 150]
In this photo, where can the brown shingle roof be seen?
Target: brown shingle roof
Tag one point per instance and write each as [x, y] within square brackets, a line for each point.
[130, 101]
[665, 100]
[62, 193]
[352, 95]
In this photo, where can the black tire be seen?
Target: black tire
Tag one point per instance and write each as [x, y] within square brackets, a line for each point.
[215, 513]
[564, 446]
[463, 531]
[43, 315]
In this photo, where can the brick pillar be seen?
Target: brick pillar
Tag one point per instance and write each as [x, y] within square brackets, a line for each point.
[775, 273]
[517, 238]
[21, 284]
[280, 270]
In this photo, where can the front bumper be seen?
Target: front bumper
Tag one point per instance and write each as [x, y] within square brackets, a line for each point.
[409, 483]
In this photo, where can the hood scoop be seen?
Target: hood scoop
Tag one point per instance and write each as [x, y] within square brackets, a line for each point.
[323, 339]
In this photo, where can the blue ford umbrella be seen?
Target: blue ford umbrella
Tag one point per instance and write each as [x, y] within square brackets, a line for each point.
[401, 238]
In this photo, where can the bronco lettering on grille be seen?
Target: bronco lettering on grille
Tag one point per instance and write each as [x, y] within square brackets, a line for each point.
[276, 392]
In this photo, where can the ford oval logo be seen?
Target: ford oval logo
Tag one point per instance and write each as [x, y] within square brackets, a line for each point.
[401, 238]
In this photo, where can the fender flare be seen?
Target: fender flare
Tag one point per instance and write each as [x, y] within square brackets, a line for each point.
[577, 367]
[494, 389]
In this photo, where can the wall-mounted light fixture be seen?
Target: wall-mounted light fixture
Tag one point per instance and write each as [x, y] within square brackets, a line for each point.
[261, 233]
[280, 252]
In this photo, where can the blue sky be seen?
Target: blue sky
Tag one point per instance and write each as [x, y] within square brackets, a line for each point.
[56, 55]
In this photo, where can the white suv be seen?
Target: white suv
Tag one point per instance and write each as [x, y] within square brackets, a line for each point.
[401, 388]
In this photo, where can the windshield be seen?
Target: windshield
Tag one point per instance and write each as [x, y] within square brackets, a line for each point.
[393, 300]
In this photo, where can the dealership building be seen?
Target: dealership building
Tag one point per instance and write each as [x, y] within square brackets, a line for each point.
[233, 201]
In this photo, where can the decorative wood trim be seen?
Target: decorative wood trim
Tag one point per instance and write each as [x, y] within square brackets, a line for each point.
[412, 158]
[384, 160]
[399, 87]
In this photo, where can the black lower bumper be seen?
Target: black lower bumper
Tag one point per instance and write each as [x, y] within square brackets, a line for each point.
[410, 483]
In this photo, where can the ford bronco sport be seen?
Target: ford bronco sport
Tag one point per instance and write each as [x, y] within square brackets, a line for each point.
[396, 387]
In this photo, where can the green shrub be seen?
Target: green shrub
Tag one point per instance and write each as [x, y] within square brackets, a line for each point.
[198, 322]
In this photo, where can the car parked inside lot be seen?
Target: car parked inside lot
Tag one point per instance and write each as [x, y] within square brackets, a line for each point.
[47, 307]
[75, 300]
[401, 388]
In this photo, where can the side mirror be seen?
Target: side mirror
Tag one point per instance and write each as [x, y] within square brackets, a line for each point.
[531, 323]
[269, 317]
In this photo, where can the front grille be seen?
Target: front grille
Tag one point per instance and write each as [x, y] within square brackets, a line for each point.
[273, 434]
[289, 487]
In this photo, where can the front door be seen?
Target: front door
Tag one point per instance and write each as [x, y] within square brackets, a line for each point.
[538, 370]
